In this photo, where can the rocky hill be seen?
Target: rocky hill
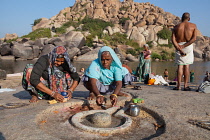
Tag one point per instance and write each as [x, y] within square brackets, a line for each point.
[144, 19]
[139, 21]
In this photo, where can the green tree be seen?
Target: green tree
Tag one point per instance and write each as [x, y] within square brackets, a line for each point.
[62, 29]
[95, 26]
[165, 33]
[150, 44]
[36, 21]
[123, 20]
[39, 33]
[131, 51]
[156, 56]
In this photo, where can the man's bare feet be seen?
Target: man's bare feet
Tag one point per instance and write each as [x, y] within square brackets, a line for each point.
[91, 96]
[33, 99]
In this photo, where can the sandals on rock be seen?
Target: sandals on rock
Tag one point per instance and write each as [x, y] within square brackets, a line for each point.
[187, 89]
[176, 88]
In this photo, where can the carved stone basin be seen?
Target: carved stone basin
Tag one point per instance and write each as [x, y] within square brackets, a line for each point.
[78, 121]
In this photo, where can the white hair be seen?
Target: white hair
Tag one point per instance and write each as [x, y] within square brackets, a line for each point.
[146, 45]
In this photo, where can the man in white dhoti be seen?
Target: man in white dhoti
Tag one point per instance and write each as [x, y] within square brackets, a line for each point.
[185, 58]
[184, 34]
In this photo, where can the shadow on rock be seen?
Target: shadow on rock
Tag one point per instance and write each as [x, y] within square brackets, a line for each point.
[2, 136]
[77, 94]
[22, 95]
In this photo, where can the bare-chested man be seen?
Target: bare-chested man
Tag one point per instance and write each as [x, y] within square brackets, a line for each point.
[184, 34]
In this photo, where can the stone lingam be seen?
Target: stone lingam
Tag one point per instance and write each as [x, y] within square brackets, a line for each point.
[102, 121]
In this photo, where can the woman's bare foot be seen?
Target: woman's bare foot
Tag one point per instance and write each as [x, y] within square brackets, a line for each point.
[33, 99]
[91, 96]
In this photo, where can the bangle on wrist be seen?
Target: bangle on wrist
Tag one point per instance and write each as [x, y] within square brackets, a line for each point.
[52, 94]
[100, 95]
[115, 95]
[70, 90]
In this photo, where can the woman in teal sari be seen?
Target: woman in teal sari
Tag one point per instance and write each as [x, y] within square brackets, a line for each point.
[105, 76]
[144, 67]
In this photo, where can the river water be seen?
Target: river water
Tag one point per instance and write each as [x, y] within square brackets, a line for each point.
[158, 68]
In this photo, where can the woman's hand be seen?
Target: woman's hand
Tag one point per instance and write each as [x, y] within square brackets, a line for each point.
[58, 97]
[69, 94]
[99, 99]
[113, 99]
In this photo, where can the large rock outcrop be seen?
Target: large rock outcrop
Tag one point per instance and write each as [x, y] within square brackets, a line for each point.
[144, 21]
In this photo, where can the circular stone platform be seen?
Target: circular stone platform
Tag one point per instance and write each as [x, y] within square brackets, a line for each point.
[68, 119]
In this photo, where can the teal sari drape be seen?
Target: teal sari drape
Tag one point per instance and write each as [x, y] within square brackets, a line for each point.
[144, 67]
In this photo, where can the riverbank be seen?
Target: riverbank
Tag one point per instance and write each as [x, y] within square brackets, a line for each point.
[158, 68]
[175, 107]
[11, 81]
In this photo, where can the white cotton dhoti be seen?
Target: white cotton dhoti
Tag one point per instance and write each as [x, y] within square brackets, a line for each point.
[185, 60]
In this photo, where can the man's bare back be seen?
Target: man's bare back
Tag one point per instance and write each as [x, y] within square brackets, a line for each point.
[184, 31]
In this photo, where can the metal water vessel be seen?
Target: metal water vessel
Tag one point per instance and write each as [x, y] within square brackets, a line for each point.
[134, 110]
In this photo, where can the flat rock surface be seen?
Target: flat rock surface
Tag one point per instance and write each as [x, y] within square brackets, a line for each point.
[18, 118]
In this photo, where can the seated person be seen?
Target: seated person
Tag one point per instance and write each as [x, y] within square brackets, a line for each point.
[50, 75]
[125, 64]
[105, 76]
[81, 72]
[205, 85]
[206, 78]
[134, 78]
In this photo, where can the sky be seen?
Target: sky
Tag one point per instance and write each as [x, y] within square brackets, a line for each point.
[18, 15]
